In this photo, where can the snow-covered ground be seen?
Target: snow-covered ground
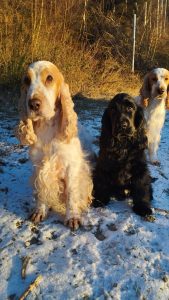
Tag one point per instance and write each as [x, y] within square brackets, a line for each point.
[116, 255]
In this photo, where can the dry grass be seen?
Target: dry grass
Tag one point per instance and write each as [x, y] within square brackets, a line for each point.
[91, 46]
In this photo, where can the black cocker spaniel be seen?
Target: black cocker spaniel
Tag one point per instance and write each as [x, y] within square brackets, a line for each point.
[121, 169]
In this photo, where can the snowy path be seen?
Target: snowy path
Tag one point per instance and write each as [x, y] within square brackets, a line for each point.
[116, 255]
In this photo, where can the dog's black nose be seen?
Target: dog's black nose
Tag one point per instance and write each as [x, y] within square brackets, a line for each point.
[124, 124]
[161, 91]
[34, 104]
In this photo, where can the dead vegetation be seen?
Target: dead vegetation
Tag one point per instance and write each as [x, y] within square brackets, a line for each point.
[90, 41]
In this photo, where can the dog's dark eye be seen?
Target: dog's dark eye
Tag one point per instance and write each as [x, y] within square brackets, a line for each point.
[166, 78]
[154, 79]
[49, 78]
[27, 80]
[129, 108]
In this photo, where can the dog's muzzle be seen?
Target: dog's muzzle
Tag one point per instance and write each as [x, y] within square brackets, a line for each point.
[160, 92]
[124, 123]
[34, 104]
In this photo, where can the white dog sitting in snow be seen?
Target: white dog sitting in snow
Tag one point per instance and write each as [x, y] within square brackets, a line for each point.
[154, 97]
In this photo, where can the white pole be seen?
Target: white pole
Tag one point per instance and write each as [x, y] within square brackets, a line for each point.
[134, 42]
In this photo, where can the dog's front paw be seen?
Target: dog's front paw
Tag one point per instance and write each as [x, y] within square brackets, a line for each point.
[38, 216]
[142, 210]
[156, 163]
[73, 223]
[25, 133]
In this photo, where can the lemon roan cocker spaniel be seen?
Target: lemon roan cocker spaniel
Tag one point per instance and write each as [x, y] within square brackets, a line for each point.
[154, 98]
[62, 177]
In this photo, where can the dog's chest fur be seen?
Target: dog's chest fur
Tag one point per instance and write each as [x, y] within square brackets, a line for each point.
[155, 116]
[121, 162]
[43, 147]
[49, 148]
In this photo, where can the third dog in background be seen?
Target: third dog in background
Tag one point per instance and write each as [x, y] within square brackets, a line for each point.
[154, 97]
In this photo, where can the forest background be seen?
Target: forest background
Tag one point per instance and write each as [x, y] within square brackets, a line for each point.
[91, 41]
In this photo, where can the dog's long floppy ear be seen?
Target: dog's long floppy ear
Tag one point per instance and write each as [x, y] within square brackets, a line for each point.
[59, 81]
[108, 126]
[139, 120]
[145, 91]
[68, 125]
[167, 99]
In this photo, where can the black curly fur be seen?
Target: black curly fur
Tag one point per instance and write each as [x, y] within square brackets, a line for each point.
[121, 164]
